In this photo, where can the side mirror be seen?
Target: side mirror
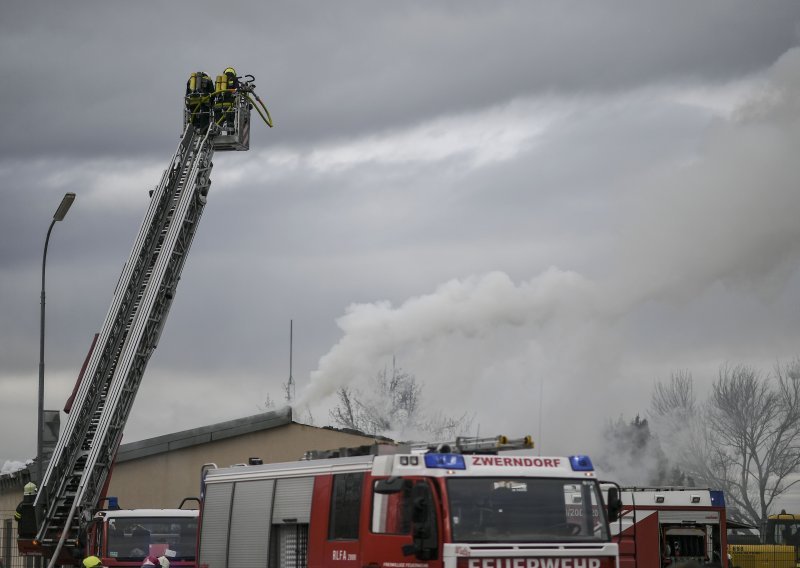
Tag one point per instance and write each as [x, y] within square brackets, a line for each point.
[614, 504]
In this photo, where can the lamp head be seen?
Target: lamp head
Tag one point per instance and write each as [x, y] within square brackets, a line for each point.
[64, 206]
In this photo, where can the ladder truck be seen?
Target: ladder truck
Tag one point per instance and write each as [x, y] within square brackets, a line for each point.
[79, 471]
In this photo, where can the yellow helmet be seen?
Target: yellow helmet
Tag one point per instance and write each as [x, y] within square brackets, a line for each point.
[230, 70]
[29, 489]
[92, 562]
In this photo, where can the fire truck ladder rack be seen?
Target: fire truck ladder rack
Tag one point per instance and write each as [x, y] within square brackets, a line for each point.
[461, 445]
[471, 445]
[82, 460]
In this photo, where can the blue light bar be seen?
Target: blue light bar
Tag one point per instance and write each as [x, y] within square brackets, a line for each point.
[581, 463]
[717, 499]
[445, 461]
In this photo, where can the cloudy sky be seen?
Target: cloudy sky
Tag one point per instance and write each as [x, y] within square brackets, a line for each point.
[538, 208]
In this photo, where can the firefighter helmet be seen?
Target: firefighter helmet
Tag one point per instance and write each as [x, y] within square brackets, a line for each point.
[230, 70]
[29, 489]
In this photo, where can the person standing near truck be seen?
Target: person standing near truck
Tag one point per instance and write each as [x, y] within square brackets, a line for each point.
[25, 514]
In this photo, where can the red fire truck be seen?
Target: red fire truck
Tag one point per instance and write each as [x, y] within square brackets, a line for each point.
[662, 526]
[461, 505]
[124, 537]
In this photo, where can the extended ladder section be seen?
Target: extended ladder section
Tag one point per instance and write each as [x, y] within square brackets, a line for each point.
[81, 463]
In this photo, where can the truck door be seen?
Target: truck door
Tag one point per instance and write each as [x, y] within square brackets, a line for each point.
[341, 545]
[403, 528]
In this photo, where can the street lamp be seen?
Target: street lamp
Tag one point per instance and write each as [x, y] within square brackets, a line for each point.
[59, 215]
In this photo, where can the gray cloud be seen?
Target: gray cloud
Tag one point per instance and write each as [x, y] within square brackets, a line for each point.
[354, 67]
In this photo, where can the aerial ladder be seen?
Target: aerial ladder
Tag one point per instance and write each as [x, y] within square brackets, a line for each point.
[79, 470]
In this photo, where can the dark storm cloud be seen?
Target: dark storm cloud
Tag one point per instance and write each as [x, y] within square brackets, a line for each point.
[85, 75]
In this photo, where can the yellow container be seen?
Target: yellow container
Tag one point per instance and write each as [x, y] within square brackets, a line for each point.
[761, 556]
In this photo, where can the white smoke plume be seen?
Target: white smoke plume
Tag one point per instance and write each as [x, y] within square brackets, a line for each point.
[470, 307]
[10, 466]
[730, 218]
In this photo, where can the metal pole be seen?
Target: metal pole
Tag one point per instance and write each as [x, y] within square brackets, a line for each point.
[40, 426]
[63, 207]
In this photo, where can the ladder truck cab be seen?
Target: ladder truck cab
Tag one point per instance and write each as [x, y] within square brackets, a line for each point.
[79, 470]
[462, 505]
[125, 537]
[659, 527]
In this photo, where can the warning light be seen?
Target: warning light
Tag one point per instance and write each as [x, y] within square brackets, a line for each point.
[581, 463]
[445, 461]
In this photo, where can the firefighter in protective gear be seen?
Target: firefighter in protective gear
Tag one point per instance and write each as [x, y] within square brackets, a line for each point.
[199, 92]
[227, 86]
[233, 79]
[92, 562]
[25, 514]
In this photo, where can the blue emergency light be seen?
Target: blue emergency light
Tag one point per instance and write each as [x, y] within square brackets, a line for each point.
[445, 461]
[581, 463]
[717, 498]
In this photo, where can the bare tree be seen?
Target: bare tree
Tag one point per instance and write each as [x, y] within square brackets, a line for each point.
[393, 405]
[269, 404]
[443, 427]
[676, 395]
[676, 423]
[346, 413]
[745, 440]
[757, 429]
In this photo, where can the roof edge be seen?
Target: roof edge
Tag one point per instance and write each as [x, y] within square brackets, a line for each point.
[204, 434]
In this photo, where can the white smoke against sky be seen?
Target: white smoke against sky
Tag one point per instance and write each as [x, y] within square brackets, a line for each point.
[729, 217]
[10, 466]
[471, 307]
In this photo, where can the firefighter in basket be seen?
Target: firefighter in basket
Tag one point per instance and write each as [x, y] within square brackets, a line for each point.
[199, 92]
[227, 86]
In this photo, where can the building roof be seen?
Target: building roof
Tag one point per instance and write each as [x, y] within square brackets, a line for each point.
[204, 434]
[187, 438]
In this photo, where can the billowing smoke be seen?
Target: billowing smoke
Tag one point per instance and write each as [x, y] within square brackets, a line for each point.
[10, 466]
[471, 307]
[559, 344]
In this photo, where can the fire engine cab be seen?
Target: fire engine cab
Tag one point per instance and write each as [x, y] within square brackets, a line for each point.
[662, 526]
[123, 538]
[463, 505]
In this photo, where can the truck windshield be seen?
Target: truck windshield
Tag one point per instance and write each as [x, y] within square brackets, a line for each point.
[783, 532]
[134, 538]
[524, 509]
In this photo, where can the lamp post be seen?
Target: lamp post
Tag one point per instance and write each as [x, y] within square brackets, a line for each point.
[59, 215]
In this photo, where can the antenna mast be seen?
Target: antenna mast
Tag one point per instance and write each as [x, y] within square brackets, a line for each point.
[290, 382]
